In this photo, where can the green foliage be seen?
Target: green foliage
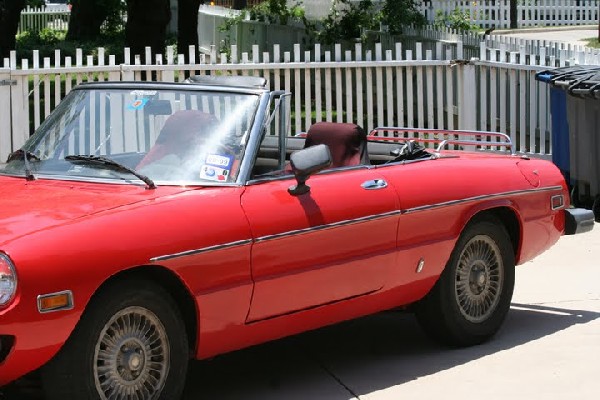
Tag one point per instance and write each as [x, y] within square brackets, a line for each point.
[592, 42]
[35, 3]
[48, 40]
[352, 19]
[114, 21]
[347, 21]
[271, 12]
[399, 13]
[457, 19]
[276, 12]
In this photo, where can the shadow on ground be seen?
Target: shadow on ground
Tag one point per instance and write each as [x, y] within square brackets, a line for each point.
[349, 359]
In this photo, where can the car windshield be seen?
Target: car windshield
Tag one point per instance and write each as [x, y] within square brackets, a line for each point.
[169, 136]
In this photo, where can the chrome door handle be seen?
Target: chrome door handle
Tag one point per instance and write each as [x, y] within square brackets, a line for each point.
[374, 184]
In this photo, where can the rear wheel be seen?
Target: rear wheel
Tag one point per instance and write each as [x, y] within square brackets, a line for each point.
[131, 343]
[471, 299]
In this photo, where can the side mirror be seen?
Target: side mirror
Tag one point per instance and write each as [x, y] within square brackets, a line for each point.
[307, 162]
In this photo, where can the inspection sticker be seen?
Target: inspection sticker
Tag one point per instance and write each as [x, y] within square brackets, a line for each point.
[216, 167]
[218, 160]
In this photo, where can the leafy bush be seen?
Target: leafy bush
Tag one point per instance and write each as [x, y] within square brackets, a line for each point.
[353, 19]
[48, 40]
[399, 13]
[347, 21]
[277, 12]
[271, 12]
[457, 19]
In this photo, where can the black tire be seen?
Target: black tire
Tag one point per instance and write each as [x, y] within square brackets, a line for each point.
[472, 296]
[131, 336]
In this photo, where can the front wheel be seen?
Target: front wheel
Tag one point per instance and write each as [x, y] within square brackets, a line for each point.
[131, 343]
[472, 296]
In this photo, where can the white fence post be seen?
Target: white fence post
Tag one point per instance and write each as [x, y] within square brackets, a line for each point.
[467, 101]
[5, 139]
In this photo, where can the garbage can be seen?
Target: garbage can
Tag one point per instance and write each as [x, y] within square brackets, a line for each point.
[583, 114]
[559, 79]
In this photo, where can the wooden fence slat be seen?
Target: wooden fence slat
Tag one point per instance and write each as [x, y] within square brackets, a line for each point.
[360, 119]
[418, 90]
[349, 90]
[410, 119]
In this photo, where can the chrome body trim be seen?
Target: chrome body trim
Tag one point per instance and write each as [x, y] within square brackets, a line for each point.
[201, 250]
[348, 222]
[254, 139]
[482, 197]
[374, 184]
[327, 226]
[69, 306]
[562, 202]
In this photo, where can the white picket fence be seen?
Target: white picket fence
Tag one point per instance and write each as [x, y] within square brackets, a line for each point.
[35, 19]
[399, 87]
[560, 52]
[491, 13]
[496, 13]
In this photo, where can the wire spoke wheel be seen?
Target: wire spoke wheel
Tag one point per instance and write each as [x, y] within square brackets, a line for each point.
[472, 296]
[479, 279]
[132, 356]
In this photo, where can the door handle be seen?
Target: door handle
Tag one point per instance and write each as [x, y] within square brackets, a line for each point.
[374, 184]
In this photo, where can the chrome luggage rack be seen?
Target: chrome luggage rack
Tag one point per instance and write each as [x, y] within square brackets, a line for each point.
[444, 137]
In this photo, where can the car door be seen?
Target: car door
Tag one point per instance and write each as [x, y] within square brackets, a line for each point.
[338, 241]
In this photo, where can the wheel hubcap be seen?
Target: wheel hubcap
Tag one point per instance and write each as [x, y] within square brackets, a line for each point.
[479, 279]
[131, 356]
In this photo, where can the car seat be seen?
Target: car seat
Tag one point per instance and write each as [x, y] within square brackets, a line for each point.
[347, 142]
[177, 136]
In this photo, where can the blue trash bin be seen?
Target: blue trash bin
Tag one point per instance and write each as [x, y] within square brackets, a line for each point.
[560, 132]
[560, 79]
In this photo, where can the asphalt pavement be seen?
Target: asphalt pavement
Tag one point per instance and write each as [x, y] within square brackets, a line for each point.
[548, 348]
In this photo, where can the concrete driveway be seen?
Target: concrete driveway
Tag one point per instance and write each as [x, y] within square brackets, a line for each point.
[549, 348]
[573, 35]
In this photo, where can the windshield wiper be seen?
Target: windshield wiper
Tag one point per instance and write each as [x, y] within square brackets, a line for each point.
[112, 164]
[26, 156]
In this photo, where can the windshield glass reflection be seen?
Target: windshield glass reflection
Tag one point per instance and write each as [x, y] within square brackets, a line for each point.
[173, 137]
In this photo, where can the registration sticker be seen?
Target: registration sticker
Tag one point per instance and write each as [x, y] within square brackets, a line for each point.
[218, 160]
[217, 167]
[137, 104]
[143, 93]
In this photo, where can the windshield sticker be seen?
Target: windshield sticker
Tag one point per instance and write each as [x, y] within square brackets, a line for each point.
[137, 104]
[217, 167]
[142, 93]
[218, 160]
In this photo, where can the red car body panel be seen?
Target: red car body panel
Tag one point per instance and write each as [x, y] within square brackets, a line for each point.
[122, 241]
[262, 286]
[260, 263]
[306, 267]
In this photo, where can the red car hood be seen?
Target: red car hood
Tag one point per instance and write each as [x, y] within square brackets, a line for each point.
[31, 206]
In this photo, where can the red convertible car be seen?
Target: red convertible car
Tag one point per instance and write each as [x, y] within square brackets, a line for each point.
[145, 224]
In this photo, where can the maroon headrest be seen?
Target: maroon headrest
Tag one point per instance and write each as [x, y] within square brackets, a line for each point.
[180, 132]
[347, 142]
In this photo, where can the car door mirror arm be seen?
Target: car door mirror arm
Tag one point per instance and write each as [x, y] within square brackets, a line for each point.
[305, 163]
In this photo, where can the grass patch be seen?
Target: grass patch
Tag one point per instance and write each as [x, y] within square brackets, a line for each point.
[592, 42]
